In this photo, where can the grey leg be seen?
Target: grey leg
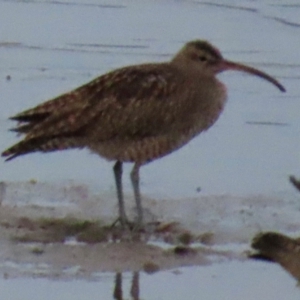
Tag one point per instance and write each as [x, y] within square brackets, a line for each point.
[118, 293]
[137, 195]
[135, 286]
[118, 178]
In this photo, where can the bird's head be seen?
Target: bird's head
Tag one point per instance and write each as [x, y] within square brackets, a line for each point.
[208, 59]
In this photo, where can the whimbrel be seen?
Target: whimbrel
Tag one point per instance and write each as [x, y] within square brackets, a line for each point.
[134, 114]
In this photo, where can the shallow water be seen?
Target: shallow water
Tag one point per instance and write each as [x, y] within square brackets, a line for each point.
[213, 282]
[240, 166]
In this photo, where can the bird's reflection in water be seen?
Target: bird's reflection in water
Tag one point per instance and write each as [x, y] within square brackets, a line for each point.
[134, 290]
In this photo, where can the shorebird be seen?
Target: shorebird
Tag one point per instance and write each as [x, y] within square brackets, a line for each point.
[134, 114]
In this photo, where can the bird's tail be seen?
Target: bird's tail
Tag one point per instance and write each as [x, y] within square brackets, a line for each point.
[41, 144]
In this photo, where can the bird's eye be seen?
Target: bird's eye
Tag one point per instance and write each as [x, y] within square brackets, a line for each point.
[202, 58]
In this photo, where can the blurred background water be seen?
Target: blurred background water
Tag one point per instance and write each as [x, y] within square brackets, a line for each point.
[48, 48]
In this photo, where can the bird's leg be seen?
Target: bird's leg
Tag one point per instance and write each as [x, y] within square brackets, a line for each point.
[118, 178]
[135, 286]
[118, 293]
[137, 195]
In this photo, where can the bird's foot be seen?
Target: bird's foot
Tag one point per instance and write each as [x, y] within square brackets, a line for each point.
[125, 224]
[132, 230]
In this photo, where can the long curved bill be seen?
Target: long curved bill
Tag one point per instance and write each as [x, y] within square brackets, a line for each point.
[230, 65]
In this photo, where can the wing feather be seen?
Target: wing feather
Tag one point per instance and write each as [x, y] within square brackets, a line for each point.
[124, 98]
[132, 102]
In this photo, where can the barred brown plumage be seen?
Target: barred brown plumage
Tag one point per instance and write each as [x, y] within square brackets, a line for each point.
[134, 114]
